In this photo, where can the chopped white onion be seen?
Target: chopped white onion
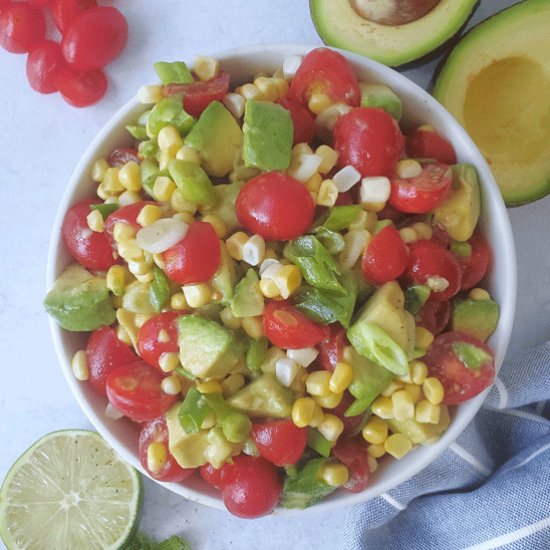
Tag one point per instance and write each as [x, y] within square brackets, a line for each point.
[303, 356]
[291, 65]
[286, 370]
[375, 189]
[161, 235]
[346, 178]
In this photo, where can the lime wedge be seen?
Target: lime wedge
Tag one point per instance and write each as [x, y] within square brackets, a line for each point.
[69, 490]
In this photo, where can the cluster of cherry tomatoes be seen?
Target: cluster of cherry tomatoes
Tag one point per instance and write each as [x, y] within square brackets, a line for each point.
[91, 37]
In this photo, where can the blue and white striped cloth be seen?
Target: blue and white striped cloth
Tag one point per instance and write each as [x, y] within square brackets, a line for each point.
[490, 489]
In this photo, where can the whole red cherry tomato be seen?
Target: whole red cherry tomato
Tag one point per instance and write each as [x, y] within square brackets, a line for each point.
[121, 155]
[21, 27]
[434, 316]
[43, 62]
[196, 257]
[353, 453]
[212, 476]
[464, 365]
[156, 431]
[369, 139]
[385, 257]
[328, 72]
[288, 328]
[275, 206]
[302, 120]
[134, 389]
[280, 441]
[65, 11]
[474, 267]
[81, 89]
[427, 143]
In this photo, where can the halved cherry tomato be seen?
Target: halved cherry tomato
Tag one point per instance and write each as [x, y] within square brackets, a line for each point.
[43, 62]
[353, 453]
[121, 155]
[65, 11]
[198, 95]
[385, 257]
[440, 236]
[90, 249]
[474, 267]
[424, 143]
[344, 199]
[134, 389]
[302, 120]
[149, 343]
[424, 192]
[434, 316]
[80, 89]
[156, 431]
[428, 259]
[331, 350]
[127, 214]
[391, 213]
[39, 2]
[21, 27]
[105, 352]
[369, 139]
[351, 423]
[275, 206]
[447, 360]
[196, 257]
[288, 328]
[280, 441]
[212, 476]
[328, 72]
[250, 486]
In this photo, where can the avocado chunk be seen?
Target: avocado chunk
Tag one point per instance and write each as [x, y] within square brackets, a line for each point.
[415, 297]
[79, 301]
[216, 136]
[419, 432]
[206, 348]
[225, 278]
[501, 97]
[477, 318]
[459, 212]
[390, 32]
[263, 397]
[248, 300]
[268, 135]
[380, 95]
[226, 195]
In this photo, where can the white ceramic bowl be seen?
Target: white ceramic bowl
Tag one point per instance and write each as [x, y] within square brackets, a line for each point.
[419, 108]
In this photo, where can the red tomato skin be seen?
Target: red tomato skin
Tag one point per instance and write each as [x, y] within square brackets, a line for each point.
[475, 266]
[134, 389]
[369, 139]
[212, 476]
[90, 249]
[385, 257]
[105, 352]
[251, 486]
[21, 27]
[460, 382]
[280, 441]
[288, 328]
[275, 206]
[65, 11]
[95, 38]
[150, 348]
[434, 316]
[331, 350]
[43, 62]
[156, 431]
[351, 423]
[302, 120]
[80, 89]
[430, 144]
[121, 155]
[440, 236]
[353, 453]
[38, 2]
[428, 259]
[196, 257]
[326, 71]
[127, 214]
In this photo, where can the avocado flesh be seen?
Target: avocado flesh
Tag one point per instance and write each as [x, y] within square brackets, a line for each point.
[339, 25]
[418, 432]
[496, 83]
[477, 318]
[187, 448]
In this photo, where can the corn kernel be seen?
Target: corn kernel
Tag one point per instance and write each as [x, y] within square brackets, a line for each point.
[376, 451]
[232, 384]
[217, 223]
[318, 102]
[168, 361]
[229, 320]
[130, 250]
[163, 338]
[330, 401]
[163, 188]
[355, 242]
[141, 319]
[423, 338]
[303, 166]
[331, 427]
[112, 200]
[403, 405]
[433, 390]
[235, 245]
[95, 221]
[235, 104]
[302, 411]
[382, 407]
[178, 301]
[479, 294]
[280, 81]
[318, 413]
[111, 182]
[423, 230]
[419, 372]
[171, 385]
[208, 422]
[318, 383]
[123, 336]
[268, 87]
[253, 250]
[210, 387]
[184, 217]
[408, 235]
[169, 140]
[426, 128]
[334, 475]
[254, 327]
[328, 193]
[249, 91]
[397, 445]
[127, 320]
[99, 167]
[149, 214]
[408, 168]
[302, 148]
[179, 204]
[157, 260]
[140, 267]
[437, 283]
[165, 156]
[341, 377]
[79, 365]
[268, 288]
[128, 197]
[123, 231]
[373, 463]
[146, 278]
[130, 176]
[150, 94]
[197, 295]
[375, 430]
[360, 221]
[313, 184]
[102, 193]
[116, 279]
[393, 386]
[188, 154]
[373, 207]
[206, 68]
[157, 457]
[288, 279]
[427, 413]
[414, 391]
[329, 158]
[117, 301]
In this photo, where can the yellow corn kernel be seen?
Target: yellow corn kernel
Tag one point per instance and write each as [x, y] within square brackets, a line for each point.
[149, 214]
[279, 73]
[394, 385]
[130, 176]
[141, 319]
[426, 128]
[376, 451]
[355, 243]
[210, 387]
[111, 182]
[373, 463]
[178, 301]
[479, 294]
[330, 401]
[341, 377]
[206, 68]
[313, 196]
[235, 244]
[318, 102]
[423, 230]
[171, 385]
[318, 383]
[217, 223]
[229, 320]
[163, 188]
[329, 156]
[116, 279]
[208, 422]
[169, 361]
[331, 427]
[288, 279]
[334, 475]
[232, 384]
[328, 193]
[197, 295]
[189, 154]
[184, 217]
[419, 371]
[249, 91]
[95, 221]
[179, 204]
[302, 411]
[414, 391]
[268, 288]
[408, 235]
[79, 365]
[427, 413]
[157, 260]
[146, 278]
[150, 94]
[403, 405]
[270, 254]
[254, 327]
[127, 320]
[281, 83]
[123, 231]
[128, 197]
[163, 337]
[268, 87]
[117, 301]
[397, 445]
[433, 390]
[382, 407]
[423, 338]
[408, 168]
[373, 207]
[301, 149]
[318, 413]
[130, 250]
[313, 184]
[360, 221]
[375, 430]
[169, 140]
[99, 167]
[112, 200]
[157, 457]
[102, 193]
[123, 336]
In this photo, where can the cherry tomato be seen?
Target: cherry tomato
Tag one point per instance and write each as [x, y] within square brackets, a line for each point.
[280, 441]
[429, 144]
[344, 199]
[43, 62]
[198, 95]
[21, 27]
[121, 155]
[156, 431]
[428, 259]
[474, 267]
[127, 214]
[445, 361]
[105, 352]
[81, 89]
[328, 72]
[440, 236]
[434, 316]
[65, 11]
[385, 257]
[212, 476]
[391, 213]
[369, 139]
[302, 120]
[39, 2]
[424, 192]
[251, 486]
[196, 257]
[353, 453]
[149, 344]
[288, 328]
[275, 206]
[351, 423]
[331, 350]
[90, 249]
[134, 389]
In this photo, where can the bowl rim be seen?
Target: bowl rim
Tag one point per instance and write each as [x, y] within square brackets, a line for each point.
[489, 188]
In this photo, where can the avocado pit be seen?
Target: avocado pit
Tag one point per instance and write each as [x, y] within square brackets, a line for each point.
[393, 12]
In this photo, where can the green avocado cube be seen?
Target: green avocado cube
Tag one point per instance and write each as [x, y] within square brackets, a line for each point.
[379, 95]
[248, 300]
[419, 432]
[477, 318]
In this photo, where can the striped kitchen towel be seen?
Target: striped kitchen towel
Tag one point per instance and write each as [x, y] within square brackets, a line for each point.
[489, 489]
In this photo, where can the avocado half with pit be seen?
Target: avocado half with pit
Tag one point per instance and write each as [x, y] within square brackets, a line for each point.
[392, 32]
[496, 83]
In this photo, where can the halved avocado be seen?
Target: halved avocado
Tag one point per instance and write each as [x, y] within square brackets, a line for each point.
[392, 32]
[496, 83]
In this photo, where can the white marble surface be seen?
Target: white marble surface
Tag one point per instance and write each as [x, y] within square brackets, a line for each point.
[41, 139]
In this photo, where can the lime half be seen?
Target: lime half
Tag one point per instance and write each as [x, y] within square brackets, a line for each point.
[69, 491]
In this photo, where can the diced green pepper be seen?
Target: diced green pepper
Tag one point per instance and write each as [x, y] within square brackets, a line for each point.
[192, 181]
[104, 209]
[472, 356]
[331, 240]
[175, 72]
[306, 488]
[193, 411]
[415, 297]
[340, 217]
[319, 443]
[236, 427]
[256, 354]
[159, 291]
[169, 112]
